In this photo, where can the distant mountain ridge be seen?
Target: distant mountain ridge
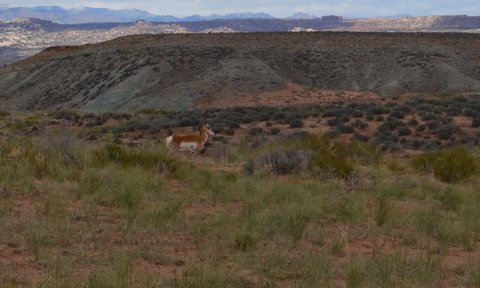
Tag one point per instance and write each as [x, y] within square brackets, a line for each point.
[61, 15]
[24, 37]
[302, 15]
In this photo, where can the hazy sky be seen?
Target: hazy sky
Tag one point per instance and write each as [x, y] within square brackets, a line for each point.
[365, 8]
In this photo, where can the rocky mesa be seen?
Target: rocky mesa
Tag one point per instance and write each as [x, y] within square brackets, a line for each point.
[175, 71]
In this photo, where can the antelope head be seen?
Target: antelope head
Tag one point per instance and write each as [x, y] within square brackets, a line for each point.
[206, 128]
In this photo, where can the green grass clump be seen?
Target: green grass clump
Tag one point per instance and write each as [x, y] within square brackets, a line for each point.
[450, 199]
[152, 111]
[315, 153]
[294, 222]
[157, 160]
[350, 210]
[449, 165]
[473, 277]
[355, 273]
[4, 114]
[22, 124]
[119, 274]
[337, 156]
[382, 211]
[212, 277]
[245, 241]
[390, 270]
[64, 114]
[160, 217]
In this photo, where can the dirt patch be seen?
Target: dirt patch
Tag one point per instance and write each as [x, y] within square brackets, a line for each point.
[292, 94]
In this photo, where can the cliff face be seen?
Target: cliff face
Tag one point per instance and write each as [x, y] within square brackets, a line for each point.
[173, 71]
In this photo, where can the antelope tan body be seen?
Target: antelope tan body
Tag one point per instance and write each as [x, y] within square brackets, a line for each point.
[189, 142]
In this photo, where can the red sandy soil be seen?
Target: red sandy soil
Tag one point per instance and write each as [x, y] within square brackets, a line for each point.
[292, 94]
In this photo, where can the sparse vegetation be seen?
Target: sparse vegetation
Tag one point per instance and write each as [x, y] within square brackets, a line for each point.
[97, 214]
[450, 165]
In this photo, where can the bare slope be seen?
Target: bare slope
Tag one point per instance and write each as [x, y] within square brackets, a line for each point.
[173, 71]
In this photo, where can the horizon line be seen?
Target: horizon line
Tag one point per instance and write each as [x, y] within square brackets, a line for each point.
[400, 15]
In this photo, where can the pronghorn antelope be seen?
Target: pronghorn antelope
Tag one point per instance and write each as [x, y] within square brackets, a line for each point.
[191, 142]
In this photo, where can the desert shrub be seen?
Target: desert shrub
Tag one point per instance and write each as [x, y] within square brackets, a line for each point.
[158, 160]
[428, 116]
[404, 131]
[391, 124]
[248, 119]
[340, 166]
[360, 137]
[233, 124]
[263, 116]
[415, 144]
[430, 145]
[334, 121]
[460, 99]
[387, 140]
[445, 132]
[255, 131]
[315, 153]
[469, 112]
[279, 116]
[332, 112]
[357, 114]
[285, 161]
[219, 139]
[348, 110]
[295, 123]
[449, 165]
[90, 124]
[274, 131]
[434, 124]
[119, 116]
[335, 156]
[359, 124]
[412, 122]
[399, 114]
[99, 121]
[189, 121]
[379, 118]
[64, 114]
[345, 129]
[338, 120]
[218, 128]
[229, 131]
[89, 116]
[454, 111]
[421, 128]
[377, 110]
[476, 122]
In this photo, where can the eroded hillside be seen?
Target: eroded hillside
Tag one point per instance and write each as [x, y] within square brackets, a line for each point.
[175, 71]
